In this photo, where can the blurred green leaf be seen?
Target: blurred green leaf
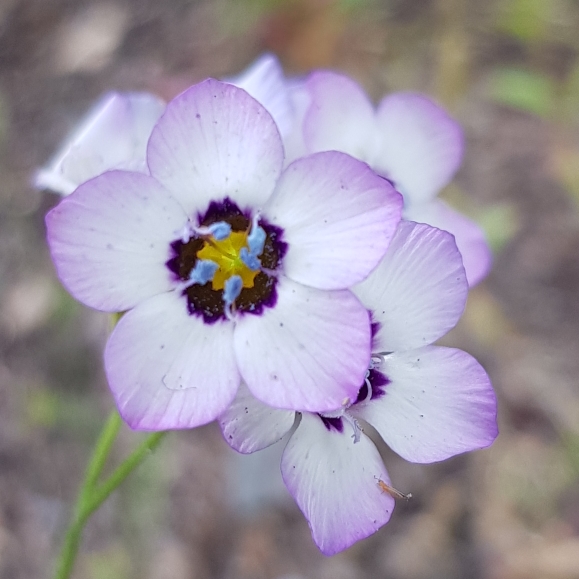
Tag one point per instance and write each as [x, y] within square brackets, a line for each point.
[521, 89]
[525, 19]
[112, 563]
[500, 224]
[42, 407]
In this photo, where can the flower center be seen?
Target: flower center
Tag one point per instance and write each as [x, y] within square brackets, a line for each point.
[226, 254]
[227, 264]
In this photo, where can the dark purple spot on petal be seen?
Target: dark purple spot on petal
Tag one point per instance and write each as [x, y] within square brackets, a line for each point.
[336, 424]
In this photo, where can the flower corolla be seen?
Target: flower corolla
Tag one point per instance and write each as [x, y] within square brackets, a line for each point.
[227, 266]
[428, 403]
[115, 131]
[408, 139]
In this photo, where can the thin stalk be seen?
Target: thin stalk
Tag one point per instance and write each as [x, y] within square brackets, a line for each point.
[92, 495]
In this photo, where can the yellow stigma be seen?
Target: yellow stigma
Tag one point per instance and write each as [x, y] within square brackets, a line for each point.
[225, 254]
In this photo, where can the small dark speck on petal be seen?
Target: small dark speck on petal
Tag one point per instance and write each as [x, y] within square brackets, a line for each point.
[162, 346]
[109, 246]
[422, 416]
[281, 324]
[197, 116]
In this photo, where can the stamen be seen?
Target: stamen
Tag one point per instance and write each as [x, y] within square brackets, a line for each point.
[232, 289]
[185, 233]
[219, 230]
[203, 271]
[249, 259]
[375, 361]
[368, 386]
[256, 240]
[355, 426]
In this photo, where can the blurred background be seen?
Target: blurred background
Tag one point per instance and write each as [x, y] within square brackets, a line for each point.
[509, 71]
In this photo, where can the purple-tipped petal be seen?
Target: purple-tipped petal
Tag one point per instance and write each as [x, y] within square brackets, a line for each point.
[167, 369]
[419, 290]
[420, 146]
[338, 218]
[110, 240]
[113, 135]
[215, 141]
[340, 116]
[309, 352]
[470, 238]
[335, 483]
[439, 403]
[264, 80]
[248, 425]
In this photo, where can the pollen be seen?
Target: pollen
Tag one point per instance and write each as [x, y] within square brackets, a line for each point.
[226, 254]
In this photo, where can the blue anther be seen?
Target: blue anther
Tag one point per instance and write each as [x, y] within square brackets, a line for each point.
[203, 271]
[249, 259]
[232, 289]
[220, 230]
[256, 240]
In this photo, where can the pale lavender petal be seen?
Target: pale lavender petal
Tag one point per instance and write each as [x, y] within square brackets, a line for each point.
[439, 403]
[420, 145]
[110, 240]
[340, 116]
[338, 218]
[167, 369]
[308, 352]
[215, 141]
[248, 425]
[113, 135]
[264, 80]
[419, 290]
[294, 141]
[335, 483]
[470, 238]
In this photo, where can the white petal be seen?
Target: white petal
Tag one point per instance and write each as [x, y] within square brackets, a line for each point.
[335, 483]
[168, 369]
[113, 135]
[308, 352]
[338, 218]
[265, 82]
[419, 290]
[470, 238]
[111, 238]
[420, 146]
[340, 116]
[439, 403]
[215, 141]
[249, 425]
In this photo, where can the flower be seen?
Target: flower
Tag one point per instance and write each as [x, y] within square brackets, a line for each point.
[229, 268]
[428, 403]
[407, 139]
[114, 133]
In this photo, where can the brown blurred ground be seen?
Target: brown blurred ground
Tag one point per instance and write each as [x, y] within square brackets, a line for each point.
[509, 71]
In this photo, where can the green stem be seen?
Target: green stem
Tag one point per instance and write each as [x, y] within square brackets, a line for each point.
[124, 470]
[99, 456]
[92, 495]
